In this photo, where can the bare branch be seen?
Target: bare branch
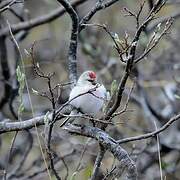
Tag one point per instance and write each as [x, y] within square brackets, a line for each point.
[152, 134]
[9, 154]
[98, 161]
[155, 40]
[38, 21]
[132, 53]
[135, 15]
[27, 150]
[162, 20]
[108, 143]
[99, 6]
[7, 4]
[7, 126]
[121, 50]
[72, 61]
[57, 159]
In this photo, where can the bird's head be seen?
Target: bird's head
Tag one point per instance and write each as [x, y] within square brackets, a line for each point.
[87, 78]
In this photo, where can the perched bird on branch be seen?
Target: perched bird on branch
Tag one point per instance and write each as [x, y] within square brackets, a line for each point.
[88, 96]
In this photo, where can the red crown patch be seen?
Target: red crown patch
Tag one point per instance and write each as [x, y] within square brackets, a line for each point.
[92, 75]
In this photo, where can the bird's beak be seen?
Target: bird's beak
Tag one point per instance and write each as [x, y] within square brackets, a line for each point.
[94, 82]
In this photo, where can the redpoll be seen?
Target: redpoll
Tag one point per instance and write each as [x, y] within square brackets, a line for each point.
[88, 96]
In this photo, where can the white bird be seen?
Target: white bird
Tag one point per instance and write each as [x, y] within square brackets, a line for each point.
[88, 96]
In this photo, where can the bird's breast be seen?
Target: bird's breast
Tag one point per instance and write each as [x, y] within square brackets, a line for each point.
[88, 101]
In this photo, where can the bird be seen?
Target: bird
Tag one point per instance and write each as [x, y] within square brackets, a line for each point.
[87, 96]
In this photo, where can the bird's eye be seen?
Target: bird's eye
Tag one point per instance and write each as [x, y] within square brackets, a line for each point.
[90, 80]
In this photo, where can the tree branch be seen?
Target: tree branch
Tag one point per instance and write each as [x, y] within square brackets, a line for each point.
[4, 5]
[152, 134]
[5, 69]
[132, 53]
[38, 21]
[98, 161]
[99, 6]
[7, 126]
[162, 20]
[72, 61]
[108, 143]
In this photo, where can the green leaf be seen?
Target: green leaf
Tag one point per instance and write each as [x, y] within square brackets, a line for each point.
[21, 79]
[46, 118]
[35, 92]
[18, 73]
[21, 108]
[88, 171]
[117, 39]
[27, 53]
[164, 165]
[177, 96]
[73, 176]
[87, 48]
[114, 87]
[144, 39]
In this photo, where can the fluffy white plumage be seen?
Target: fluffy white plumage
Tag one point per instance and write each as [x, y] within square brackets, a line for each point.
[88, 103]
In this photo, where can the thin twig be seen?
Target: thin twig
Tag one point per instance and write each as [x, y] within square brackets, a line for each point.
[155, 40]
[152, 134]
[43, 19]
[27, 150]
[98, 161]
[7, 4]
[27, 87]
[82, 154]
[131, 59]
[121, 50]
[9, 155]
[99, 6]
[48, 77]
[57, 159]
[109, 144]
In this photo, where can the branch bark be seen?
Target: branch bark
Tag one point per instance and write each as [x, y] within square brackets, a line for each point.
[38, 21]
[98, 161]
[99, 6]
[72, 61]
[132, 52]
[162, 20]
[7, 126]
[108, 143]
